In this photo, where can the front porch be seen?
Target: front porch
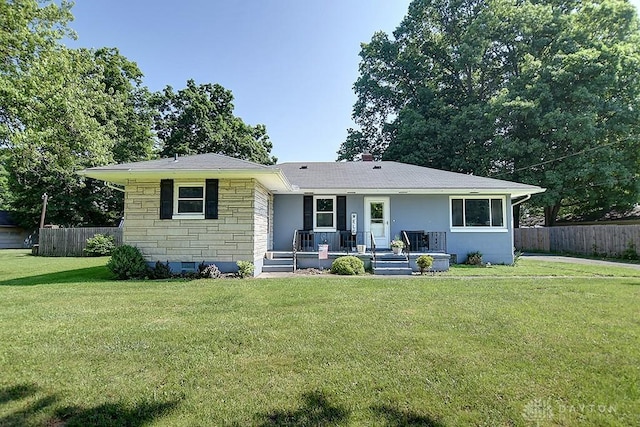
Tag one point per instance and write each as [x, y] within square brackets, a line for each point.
[352, 242]
[383, 262]
[312, 249]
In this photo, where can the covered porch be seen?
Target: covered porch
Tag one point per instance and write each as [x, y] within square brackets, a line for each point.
[311, 249]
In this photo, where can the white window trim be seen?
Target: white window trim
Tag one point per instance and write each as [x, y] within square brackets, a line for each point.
[176, 198]
[478, 229]
[315, 215]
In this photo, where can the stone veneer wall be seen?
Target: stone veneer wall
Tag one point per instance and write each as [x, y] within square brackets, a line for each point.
[261, 224]
[223, 241]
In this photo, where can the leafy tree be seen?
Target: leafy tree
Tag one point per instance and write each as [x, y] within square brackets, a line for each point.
[544, 92]
[63, 110]
[199, 119]
[134, 140]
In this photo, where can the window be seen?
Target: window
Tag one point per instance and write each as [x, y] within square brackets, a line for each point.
[324, 213]
[189, 200]
[478, 212]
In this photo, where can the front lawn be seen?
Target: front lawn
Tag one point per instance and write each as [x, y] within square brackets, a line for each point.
[549, 349]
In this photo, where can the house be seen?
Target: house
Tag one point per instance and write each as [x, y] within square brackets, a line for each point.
[11, 236]
[220, 210]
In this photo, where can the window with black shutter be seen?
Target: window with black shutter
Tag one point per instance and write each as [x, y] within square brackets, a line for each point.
[189, 200]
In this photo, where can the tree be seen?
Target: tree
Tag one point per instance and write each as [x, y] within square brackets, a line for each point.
[63, 110]
[544, 92]
[199, 119]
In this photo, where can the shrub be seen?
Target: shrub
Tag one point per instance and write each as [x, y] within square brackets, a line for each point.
[210, 271]
[127, 262]
[245, 269]
[630, 253]
[347, 266]
[474, 258]
[161, 271]
[516, 257]
[99, 245]
[424, 262]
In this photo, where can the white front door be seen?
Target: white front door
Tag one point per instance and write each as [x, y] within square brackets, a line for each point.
[376, 221]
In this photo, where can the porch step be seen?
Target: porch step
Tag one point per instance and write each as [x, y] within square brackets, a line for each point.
[389, 264]
[284, 268]
[280, 262]
[392, 271]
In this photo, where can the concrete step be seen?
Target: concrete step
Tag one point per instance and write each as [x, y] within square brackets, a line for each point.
[280, 254]
[392, 264]
[278, 261]
[392, 271]
[284, 268]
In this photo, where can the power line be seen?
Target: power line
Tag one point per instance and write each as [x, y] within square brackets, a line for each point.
[586, 150]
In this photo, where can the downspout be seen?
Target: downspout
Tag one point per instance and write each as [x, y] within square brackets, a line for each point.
[527, 197]
[113, 187]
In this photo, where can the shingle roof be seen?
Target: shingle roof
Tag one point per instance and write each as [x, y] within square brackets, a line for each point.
[208, 161]
[312, 176]
[388, 175]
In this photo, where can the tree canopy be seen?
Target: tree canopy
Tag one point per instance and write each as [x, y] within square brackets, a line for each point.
[199, 119]
[62, 110]
[543, 92]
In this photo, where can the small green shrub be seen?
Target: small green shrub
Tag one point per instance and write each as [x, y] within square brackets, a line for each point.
[630, 253]
[211, 271]
[245, 269]
[474, 258]
[127, 262]
[161, 271]
[347, 266]
[516, 257]
[424, 262]
[99, 245]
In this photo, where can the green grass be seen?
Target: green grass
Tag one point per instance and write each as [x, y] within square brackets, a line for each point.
[514, 348]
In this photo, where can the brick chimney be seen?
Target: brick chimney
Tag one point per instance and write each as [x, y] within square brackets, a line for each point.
[366, 157]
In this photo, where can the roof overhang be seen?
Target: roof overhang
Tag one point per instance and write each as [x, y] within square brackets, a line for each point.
[440, 191]
[272, 178]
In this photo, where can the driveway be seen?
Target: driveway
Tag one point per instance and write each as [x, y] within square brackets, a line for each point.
[574, 260]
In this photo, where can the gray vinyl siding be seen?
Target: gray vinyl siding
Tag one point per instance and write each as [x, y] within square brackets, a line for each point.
[407, 212]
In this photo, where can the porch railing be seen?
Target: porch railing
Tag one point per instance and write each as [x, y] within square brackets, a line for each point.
[294, 250]
[373, 248]
[338, 241]
[421, 241]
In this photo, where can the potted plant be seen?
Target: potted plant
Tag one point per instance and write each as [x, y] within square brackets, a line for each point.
[397, 245]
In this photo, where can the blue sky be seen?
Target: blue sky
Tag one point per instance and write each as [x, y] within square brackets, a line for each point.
[290, 64]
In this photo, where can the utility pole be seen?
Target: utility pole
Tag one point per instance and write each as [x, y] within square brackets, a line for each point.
[45, 198]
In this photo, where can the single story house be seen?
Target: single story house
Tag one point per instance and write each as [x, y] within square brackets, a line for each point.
[11, 236]
[216, 209]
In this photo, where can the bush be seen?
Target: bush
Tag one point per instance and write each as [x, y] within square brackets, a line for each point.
[210, 271]
[474, 258]
[161, 271]
[424, 262]
[245, 269]
[127, 262]
[630, 253]
[99, 245]
[347, 266]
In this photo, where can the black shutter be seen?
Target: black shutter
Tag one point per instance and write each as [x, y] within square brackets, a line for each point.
[307, 219]
[211, 199]
[166, 199]
[341, 214]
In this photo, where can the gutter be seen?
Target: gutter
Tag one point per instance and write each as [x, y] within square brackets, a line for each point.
[113, 187]
[527, 197]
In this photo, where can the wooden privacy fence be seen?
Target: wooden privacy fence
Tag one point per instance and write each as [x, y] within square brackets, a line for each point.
[610, 240]
[72, 241]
